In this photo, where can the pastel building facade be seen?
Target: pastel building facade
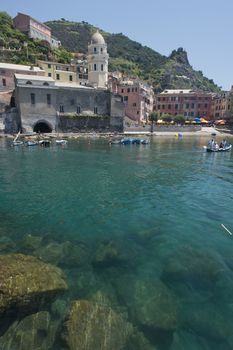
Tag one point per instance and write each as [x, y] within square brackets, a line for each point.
[67, 73]
[222, 105]
[8, 70]
[34, 29]
[188, 103]
[138, 97]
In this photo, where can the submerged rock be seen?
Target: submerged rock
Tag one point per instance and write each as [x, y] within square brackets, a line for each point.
[113, 253]
[93, 326]
[192, 266]
[187, 341]
[26, 282]
[62, 254]
[33, 332]
[51, 253]
[151, 304]
[30, 243]
[208, 321]
[6, 245]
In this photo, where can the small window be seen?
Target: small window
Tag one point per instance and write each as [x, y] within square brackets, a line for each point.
[169, 106]
[33, 99]
[122, 91]
[125, 98]
[58, 76]
[128, 90]
[78, 109]
[95, 66]
[95, 110]
[49, 65]
[3, 82]
[61, 109]
[29, 82]
[46, 84]
[95, 50]
[101, 50]
[48, 99]
[49, 75]
[132, 89]
[71, 77]
[72, 102]
[102, 67]
[134, 104]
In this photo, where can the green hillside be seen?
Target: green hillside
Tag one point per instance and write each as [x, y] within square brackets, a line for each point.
[132, 58]
[126, 55]
[20, 49]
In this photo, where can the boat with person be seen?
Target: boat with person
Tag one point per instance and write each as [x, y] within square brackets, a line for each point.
[213, 146]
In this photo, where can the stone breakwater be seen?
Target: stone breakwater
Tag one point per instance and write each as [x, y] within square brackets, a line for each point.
[57, 294]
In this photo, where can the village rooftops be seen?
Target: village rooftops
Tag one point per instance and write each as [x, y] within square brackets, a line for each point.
[34, 81]
[73, 85]
[177, 91]
[35, 20]
[43, 81]
[34, 78]
[18, 67]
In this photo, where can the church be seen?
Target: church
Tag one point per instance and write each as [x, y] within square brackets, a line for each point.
[59, 103]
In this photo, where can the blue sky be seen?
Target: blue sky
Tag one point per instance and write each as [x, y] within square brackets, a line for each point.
[202, 27]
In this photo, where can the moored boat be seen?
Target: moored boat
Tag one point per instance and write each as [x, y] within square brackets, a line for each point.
[61, 142]
[17, 143]
[45, 143]
[31, 143]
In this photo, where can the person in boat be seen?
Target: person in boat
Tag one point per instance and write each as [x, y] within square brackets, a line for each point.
[209, 145]
[223, 144]
[215, 146]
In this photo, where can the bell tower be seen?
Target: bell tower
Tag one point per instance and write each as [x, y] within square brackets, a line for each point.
[98, 61]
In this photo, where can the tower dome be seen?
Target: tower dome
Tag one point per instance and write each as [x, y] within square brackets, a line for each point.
[97, 38]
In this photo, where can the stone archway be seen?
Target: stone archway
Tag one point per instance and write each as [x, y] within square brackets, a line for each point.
[42, 126]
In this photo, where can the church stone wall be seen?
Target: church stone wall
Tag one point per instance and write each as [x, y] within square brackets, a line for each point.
[32, 113]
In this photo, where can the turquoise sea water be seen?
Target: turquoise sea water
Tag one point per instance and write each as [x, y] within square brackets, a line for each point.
[160, 207]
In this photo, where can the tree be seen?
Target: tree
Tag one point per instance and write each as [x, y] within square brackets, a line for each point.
[167, 118]
[153, 117]
[179, 119]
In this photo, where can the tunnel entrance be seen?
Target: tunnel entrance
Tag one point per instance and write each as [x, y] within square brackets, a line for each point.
[42, 127]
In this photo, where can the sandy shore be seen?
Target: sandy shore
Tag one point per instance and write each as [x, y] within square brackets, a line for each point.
[205, 131]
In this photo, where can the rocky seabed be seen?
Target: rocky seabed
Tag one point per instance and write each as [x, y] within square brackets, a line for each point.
[124, 293]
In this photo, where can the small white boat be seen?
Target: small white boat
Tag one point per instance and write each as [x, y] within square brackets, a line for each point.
[61, 142]
[45, 143]
[17, 143]
[31, 143]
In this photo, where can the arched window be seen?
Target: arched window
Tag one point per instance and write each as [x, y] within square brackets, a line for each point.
[46, 84]
[29, 82]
